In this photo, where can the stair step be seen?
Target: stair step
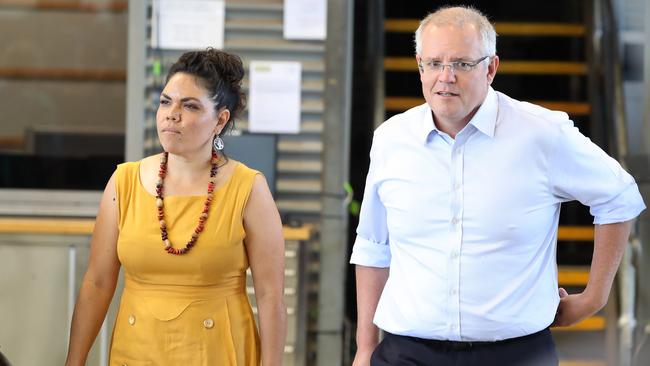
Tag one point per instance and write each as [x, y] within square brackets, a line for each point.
[572, 276]
[540, 29]
[572, 108]
[400, 104]
[505, 67]
[502, 28]
[576, 233]
[543, 67]
[62, 74]
[594, 323]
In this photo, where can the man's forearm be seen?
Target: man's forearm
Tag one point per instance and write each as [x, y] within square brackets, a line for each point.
[370, 284]
[609, 244]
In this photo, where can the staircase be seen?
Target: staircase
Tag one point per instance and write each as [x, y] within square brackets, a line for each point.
[544, 51]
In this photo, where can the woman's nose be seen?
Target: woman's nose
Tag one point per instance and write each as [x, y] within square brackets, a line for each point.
[173, 115]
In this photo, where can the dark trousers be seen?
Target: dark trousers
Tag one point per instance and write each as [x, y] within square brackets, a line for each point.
[537, 349]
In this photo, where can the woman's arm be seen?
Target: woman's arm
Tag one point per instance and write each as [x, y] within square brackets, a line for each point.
[265, 248]
[99, 282]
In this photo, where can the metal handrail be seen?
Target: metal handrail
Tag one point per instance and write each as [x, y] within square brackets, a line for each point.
[609, 57]
[83, 227]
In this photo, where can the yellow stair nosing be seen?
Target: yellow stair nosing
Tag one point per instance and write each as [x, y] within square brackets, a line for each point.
[401, 103]
[502, 28]
[573, 275]
[594, 323]
[543, 67]
[47, 226]
[581, 363]
[540, 29]
[21, 225]
[575, 233]
[572, 108]
[397, 103]
[532, 67]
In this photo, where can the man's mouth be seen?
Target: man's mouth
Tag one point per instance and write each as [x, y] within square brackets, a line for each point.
[446, 94]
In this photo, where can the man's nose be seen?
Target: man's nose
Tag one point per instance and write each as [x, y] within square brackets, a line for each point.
[447, 74]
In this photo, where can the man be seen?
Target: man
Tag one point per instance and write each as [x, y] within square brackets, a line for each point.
[462, 202]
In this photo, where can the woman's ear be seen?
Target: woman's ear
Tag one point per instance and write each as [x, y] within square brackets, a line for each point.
[222, 119]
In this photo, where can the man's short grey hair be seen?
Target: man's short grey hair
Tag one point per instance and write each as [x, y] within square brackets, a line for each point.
[459, 16]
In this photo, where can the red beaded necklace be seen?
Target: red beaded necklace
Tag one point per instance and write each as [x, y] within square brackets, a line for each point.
[161, 213]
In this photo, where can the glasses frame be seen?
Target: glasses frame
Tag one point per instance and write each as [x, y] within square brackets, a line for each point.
[454, 66]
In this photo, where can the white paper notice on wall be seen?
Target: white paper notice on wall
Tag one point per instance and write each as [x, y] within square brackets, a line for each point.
[188, 24]
[305, 19]
[274, 97]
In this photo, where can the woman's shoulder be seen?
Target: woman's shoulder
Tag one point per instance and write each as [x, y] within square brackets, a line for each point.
[126, 169]
[149, 161]
[132, 169]
[145, 162]
[242, 171]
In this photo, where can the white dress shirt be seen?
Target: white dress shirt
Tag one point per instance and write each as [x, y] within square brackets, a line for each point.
[468, 226]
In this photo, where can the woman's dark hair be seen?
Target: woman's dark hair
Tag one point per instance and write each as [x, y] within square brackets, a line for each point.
[3, 360]
[221, 73]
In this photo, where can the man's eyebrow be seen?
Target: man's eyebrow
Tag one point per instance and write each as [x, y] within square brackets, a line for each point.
[452, 59]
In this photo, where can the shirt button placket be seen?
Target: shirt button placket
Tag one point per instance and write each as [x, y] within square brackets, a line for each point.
[456, 230]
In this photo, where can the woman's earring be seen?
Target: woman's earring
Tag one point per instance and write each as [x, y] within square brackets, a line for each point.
[217, 143]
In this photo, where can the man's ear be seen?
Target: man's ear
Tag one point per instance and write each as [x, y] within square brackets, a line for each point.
[418, 59]
[492, 69]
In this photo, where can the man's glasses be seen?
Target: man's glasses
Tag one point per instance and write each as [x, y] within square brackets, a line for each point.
[455, 66]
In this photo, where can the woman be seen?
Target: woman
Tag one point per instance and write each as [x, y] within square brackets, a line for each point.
[185, 252]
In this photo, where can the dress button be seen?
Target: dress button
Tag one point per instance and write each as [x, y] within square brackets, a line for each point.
[131, 319]
[208, 323]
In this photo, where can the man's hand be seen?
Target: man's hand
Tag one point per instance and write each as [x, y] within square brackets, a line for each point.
[574, 308]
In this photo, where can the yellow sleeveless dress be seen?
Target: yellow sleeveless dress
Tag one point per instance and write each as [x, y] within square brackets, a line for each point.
[187, 309]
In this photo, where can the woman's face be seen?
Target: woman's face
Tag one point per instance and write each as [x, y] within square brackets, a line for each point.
[186, 119]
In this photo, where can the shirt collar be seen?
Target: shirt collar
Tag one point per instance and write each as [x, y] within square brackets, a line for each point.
[484, 120]
[426, 123]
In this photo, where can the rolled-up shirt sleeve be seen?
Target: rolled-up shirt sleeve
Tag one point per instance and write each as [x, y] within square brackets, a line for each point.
[580, 170]
[371, 245]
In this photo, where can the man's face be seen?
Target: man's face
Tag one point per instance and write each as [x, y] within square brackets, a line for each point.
[454, 95]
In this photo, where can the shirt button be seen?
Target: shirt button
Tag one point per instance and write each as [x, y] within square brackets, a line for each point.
[454, 255]
[208, 323]
[131, 319]
[455, 220]
[453, 292]
[452, 327]
[457, 186]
